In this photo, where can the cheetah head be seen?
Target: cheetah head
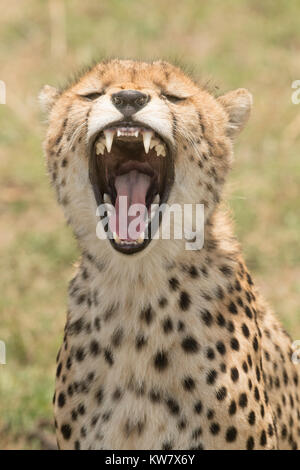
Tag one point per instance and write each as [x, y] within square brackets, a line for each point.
[141, 130]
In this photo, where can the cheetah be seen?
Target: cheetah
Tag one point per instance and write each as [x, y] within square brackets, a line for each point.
[164, 347]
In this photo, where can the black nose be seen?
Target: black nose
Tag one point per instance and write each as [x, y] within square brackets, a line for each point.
[129, 101]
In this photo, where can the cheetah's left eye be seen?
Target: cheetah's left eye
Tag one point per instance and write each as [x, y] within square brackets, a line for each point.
[173, 98]
[92, 96]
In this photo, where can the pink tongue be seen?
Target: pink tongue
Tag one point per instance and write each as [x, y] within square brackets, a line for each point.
[134, 185]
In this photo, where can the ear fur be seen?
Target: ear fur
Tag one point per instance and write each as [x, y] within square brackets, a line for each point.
[237, 104]
[47, 97]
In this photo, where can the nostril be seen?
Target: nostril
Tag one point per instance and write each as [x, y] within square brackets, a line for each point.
[117, 101]
[129, 101]
[141, 101]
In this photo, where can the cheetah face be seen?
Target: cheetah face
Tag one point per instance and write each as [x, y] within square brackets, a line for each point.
[145, 131]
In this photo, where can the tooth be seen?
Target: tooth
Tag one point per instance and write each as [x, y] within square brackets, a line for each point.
[160, 150]
[147, 136]
[136, 134]
[141, 238]
[119, 133]
[109, 137]
[153, 143]
[116, 238]
[100, 147]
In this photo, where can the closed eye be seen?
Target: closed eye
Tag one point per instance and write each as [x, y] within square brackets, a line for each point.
[92, 96]
[173, 98]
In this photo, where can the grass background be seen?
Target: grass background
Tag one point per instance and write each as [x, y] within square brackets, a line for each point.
[251, 44]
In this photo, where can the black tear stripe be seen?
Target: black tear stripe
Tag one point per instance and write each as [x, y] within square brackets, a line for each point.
[174, 125]
[201, 123]
[87, 121]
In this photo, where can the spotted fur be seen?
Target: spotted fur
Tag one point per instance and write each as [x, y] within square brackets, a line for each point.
[167, 349]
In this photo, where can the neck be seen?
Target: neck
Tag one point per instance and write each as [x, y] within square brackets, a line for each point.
[123, 277]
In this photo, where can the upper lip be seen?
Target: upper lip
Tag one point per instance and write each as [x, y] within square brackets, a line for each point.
[130, 123]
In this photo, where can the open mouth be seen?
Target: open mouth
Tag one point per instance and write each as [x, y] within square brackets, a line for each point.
[131, 171]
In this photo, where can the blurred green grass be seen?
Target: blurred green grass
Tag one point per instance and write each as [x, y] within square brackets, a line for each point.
[232, 44]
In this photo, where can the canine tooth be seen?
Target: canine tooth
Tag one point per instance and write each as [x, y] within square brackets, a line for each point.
[136, 134]
[109, 137]
[147, 136]
[116, 238]
[160, 150]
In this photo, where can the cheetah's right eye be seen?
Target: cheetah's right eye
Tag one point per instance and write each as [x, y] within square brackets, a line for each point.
[92, 96]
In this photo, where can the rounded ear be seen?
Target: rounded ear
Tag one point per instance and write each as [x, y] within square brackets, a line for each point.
[237, 104]
[47, 97]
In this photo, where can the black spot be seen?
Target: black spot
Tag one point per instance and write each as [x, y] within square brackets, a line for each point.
[162, 302]
[193, 271]
[207, 317]
[245, 330]
[117, 337]
[211, 377]
[173, 283]
[94, 348]
[221, 347]
[81, 299]
[184, 301]
[61, 400]
[196, 433]
[255, 344]
[80, 354]
[232, 308]
[190, 345]
[221, 320]
[99, 396]
[210, 354]
[231, 434]
[161, 360]
[167, 446]
[108, 357]
[251, 418]
[243, 400]
[226, 270]
[173, 406]
[154, 396]
[58, 370]
[248, 312]
[147, 315]
[66, 431]
[140, 342]
[263, 438]
[250, 443]
[167, 325]
[221, 393]
[198, 407]
[234, 344]
[188, 384]
[76, 327]
[214, 428]
[232, 408]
